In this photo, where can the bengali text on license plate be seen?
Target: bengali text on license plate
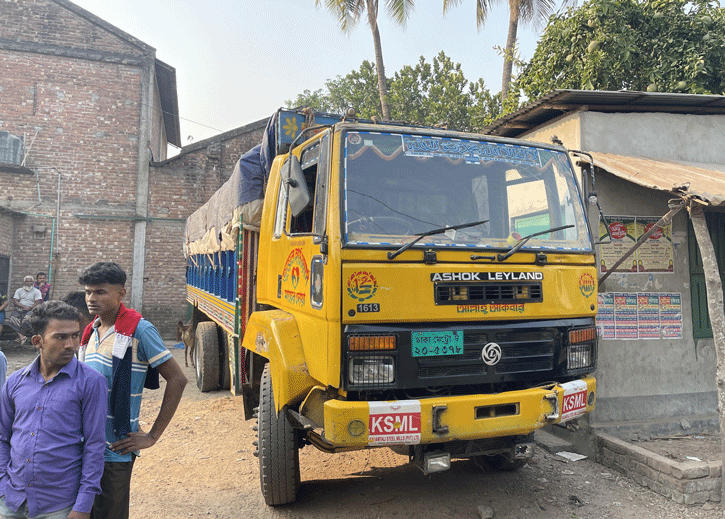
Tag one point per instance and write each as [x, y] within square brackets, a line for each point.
[431, 344]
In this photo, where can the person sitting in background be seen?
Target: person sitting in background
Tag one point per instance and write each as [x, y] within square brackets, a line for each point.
[41, 283]
[25, 299]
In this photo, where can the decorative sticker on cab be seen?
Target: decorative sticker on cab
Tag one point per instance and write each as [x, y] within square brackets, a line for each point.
[586, 284]
[295, 277]
[362, 286]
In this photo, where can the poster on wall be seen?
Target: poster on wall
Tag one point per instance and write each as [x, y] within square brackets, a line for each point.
[648, 315]
[625, 316]
[656, 254]
[605, 316]
[671, 316]
[639, 315]
[623, 231]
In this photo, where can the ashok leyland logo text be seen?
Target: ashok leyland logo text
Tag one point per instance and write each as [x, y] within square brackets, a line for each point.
[486, 276]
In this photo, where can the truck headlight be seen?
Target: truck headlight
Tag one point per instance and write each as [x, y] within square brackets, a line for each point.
[371, 371]
[582, 350]
[580, 356]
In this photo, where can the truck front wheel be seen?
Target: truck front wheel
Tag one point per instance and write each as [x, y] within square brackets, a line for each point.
[206, 356]
[279, 455]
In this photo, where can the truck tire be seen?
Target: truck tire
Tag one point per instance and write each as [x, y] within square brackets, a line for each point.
[207, 356]
[279, 455]
[225, 372]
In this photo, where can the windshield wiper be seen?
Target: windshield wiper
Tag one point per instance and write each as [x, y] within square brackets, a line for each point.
[522, 242]
[408, 245]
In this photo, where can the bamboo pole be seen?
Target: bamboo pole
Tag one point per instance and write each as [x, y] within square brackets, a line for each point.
[713, 286]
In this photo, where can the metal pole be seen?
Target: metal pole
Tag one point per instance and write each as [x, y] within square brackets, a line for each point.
[50, 256]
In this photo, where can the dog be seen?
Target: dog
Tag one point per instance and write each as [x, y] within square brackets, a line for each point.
[185, 334]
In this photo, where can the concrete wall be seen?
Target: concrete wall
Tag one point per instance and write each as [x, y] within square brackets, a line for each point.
[158, 131]
[655, 380]
[566, 128]
[650, 386]
[693, 138]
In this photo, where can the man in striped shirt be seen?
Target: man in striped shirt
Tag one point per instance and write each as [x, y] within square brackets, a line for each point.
[125, 348]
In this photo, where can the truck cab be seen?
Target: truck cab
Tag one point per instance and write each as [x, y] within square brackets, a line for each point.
[415, 288]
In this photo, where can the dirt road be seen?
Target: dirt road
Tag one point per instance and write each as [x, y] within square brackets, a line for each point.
[203, 466]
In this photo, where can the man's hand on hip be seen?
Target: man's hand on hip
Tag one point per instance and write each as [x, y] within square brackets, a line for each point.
[134, 442]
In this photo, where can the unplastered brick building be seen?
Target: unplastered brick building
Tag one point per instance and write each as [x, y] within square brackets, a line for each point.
[87, 112]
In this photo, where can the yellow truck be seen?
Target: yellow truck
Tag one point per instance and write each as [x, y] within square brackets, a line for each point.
[377, 285]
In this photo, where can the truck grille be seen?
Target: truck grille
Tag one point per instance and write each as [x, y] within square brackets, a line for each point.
[482, 293]
[521, 352]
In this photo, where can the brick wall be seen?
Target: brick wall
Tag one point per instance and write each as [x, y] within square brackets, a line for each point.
[6, 232]
[59, 23]
[71, 89]
[685, 482]
[86, 129]
[178, 187]
[71, 85]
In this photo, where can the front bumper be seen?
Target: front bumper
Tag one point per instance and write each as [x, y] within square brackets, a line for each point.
[442, 419]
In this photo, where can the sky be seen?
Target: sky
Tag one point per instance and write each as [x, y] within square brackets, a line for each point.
[237, 61]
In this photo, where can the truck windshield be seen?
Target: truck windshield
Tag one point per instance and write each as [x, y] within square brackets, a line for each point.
[399, 185]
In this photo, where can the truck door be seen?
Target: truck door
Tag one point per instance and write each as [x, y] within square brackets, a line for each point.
[298, 254]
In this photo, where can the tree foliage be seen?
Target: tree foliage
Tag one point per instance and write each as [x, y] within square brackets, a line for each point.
[641, 45]
[520, 11]
[430, 94]
[358, 89]
[348, 14]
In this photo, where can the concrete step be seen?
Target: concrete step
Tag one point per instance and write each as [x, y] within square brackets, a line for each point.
[552, 443]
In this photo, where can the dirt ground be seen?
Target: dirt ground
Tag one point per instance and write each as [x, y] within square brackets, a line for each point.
[203, 466]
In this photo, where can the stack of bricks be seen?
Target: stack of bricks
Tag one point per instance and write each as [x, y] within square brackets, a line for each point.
[685, 482]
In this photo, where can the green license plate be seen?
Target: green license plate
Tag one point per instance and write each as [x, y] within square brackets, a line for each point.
[433, 344]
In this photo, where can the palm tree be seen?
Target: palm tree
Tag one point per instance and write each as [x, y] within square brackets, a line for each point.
[519, 11]
[349, 12]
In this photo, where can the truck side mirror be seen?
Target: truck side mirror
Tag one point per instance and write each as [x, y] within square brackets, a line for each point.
[297, 192]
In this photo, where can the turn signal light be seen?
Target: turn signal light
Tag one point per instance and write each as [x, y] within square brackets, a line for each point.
[371, 342]
[582, 335]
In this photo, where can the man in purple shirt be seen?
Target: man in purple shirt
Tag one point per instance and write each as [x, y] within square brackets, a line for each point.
[52, 425]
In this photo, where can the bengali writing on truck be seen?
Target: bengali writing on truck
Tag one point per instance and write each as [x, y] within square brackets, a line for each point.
[370, 285]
